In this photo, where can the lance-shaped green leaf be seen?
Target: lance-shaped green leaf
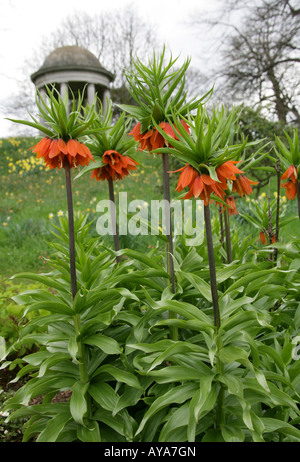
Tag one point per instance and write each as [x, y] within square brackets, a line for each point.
[57, 122]
[78, 403]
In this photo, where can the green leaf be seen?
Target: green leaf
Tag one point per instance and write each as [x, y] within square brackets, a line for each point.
[213, 436]
[73, 348]
[184, 309]
[53, 428]
[232, 353]
[88, 168]
[232, 434]
[79, 301]
[109, 345]
[233, 384]
[201, 403]
[176, 348]
[89, 433]
[104, 395]
[53, 307]
[78, 403]
[119, 375]
[176, 423]
[199, 284]
[132, 110]
[48, 281]
[180, 373]
[51, 361]
[276, 425]
[176, 395]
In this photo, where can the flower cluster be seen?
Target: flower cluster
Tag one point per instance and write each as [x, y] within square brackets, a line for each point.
[152, 139]
[56, 151]
[202, 185]
[232, 210]
[263, 239]
[291, 175]
[26, 165]
[116, 166]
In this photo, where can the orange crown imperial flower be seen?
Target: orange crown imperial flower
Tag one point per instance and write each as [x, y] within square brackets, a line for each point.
[232, 210]
[227, 171]
[200, 184]
[262, 237]
[56, 151]
[291, 175]
[242, 185]
[116, 166]
[152, 139]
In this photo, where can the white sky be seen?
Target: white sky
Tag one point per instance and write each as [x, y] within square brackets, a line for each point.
[24, 22]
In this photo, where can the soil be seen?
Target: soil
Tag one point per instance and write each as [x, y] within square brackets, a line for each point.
[6, 376]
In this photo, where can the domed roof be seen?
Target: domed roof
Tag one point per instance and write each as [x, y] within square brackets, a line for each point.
[71, 58]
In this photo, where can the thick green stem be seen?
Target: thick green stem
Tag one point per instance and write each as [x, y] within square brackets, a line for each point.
[71, 230]
[228, 236]
[114, 218]
[215, 300]
[212, 267]
[168, 224]
[220, 399]
[82, 358]
[81, 354]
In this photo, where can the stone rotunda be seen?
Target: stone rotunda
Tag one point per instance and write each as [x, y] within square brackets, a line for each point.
[74, 67]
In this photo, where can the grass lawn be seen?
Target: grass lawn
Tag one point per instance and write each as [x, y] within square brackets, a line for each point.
[32, 199]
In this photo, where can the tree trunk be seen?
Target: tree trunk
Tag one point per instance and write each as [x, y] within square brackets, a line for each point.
[280, 105]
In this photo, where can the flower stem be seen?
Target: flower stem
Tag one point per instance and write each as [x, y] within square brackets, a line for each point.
[220, 399]
[212, 267]
[82, 360]
[174, 330]
[114, 218]
[71, 230]
[228, 236]
[277, 201]
[277, 208]
[221, 231]
[81, 351]
[168, 218]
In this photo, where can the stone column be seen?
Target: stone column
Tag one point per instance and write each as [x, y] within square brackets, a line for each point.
[106, 97]
[63, 90]
[43, 95]
[91, 92]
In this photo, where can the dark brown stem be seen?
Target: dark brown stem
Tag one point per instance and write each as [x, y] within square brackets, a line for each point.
[114, 218]
[277, 207]
[221, 230]
[228, 236]
[168, 224]
[278, 199]
[270, 227]
[212, 267]
[168, 219]
[71, 229]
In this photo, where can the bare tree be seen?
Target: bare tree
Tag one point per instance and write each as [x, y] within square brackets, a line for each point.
[260, 55]
[115, 38]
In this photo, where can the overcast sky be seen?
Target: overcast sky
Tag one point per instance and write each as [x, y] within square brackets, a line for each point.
[24, 22]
